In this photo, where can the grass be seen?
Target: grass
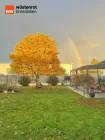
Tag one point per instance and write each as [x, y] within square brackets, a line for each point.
[51, 113]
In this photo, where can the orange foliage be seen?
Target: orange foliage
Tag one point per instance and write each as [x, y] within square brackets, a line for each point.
[36, 54]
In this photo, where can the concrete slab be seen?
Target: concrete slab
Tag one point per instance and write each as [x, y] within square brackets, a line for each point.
[86, 95]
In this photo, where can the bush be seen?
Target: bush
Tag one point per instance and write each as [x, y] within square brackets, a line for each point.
[5, 86]
[24, 81]
[13, 88]
[53, 80]
[10, 89]
[66, 78]
[82, 79]
[16, 89]
[1, 89]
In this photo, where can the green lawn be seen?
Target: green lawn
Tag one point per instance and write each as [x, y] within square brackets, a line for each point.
[51, 113]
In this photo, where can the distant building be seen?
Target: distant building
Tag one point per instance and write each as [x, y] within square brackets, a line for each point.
[5, 68]
[6, 75]
[67, 67]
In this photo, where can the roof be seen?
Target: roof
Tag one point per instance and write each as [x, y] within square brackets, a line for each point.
[102, 62]
[100, 65]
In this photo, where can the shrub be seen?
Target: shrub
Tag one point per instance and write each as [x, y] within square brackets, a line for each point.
[62, 83]
[10, 88]
[66, 78]
[16, 89]
[53, 80]
[1, 89]
[24, 81]
[13, 88]
[82, 79]
[5, 86]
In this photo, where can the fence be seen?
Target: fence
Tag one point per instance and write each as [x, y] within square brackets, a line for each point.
[11, 79]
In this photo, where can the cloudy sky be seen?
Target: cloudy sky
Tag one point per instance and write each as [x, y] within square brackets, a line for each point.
[81, 20]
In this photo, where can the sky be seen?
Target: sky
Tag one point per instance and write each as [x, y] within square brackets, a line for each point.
[82, 21]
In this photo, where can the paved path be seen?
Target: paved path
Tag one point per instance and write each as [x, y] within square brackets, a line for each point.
[97, 95]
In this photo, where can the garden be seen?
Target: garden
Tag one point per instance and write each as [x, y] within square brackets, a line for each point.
[46, 112]
[50, 113]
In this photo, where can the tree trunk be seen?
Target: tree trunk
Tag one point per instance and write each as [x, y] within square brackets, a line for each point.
[37, 80]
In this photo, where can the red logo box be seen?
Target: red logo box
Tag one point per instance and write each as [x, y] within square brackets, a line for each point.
[9, 9]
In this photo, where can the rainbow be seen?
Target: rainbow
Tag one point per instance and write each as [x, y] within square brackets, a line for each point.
[78, 56]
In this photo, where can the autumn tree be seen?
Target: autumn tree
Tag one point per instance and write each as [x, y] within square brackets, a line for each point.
[36, 54]
[94, 61]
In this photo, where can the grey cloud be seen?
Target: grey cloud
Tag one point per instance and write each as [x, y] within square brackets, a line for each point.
[84, 42]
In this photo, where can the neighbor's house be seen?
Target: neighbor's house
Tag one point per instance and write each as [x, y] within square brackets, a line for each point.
[5, 69]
